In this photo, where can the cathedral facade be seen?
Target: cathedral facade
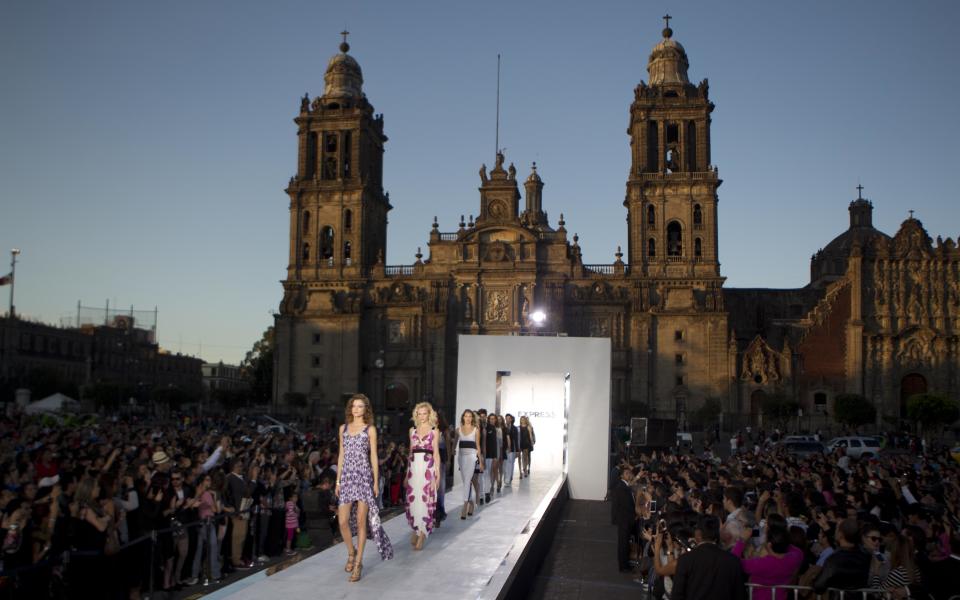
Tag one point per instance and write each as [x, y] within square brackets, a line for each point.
[350, 322]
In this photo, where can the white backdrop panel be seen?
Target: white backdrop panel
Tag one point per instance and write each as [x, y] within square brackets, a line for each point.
[587, 360]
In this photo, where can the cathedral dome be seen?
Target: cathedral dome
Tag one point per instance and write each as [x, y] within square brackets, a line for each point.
[343, 78]
[668, 62]
[830, 262]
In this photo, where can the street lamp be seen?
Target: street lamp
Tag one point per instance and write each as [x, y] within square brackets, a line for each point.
[13, 277]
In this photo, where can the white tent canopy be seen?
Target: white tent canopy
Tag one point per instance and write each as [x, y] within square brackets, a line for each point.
[54, 403]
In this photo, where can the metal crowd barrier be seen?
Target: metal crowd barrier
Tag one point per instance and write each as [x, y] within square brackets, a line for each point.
[63, 559]
[798, 592]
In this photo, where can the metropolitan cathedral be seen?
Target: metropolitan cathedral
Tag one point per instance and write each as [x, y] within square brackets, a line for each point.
[880, 316]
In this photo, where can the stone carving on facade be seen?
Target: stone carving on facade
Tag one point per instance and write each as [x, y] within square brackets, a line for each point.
[879, 284]
[498, 251]
[761, 364]
[398, 293]
[913, 355]
[397, 331]
[599, 327]
[497, 307]
[467, 309]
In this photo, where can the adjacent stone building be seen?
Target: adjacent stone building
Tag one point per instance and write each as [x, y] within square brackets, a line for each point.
[116, 353]
[348, 321]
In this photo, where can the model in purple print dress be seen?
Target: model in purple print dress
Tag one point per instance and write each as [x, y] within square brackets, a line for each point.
[420, 488]
[355, 485]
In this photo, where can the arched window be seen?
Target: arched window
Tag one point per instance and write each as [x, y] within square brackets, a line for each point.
[651, 247]
[697, 215]
[305, 252]
[912, 383]
[697, 248]
[326, 242]
[310, 160]
[347, 219]
[820, 402]
[674, 239]
[305, 223]
[651, 216]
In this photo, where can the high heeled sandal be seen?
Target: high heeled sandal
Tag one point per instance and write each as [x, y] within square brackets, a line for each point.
[351, 558]
[357, 572]
[420, 540]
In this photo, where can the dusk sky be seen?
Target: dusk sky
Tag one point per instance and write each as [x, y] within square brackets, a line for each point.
[145, 147]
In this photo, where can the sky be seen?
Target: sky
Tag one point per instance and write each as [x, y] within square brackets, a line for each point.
[145, 146]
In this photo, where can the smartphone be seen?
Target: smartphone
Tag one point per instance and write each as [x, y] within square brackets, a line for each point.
[755, 533]
[653, 506]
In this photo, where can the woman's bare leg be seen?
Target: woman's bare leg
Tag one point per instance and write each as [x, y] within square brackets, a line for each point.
[343, 520]
[362, 509]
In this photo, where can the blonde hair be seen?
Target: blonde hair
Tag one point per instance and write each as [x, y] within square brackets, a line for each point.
[367, 413]
[432, 419]
[525, 422]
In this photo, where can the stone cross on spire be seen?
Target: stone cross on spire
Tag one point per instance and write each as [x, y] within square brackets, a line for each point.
[667, 32]
[344, 46]
[859, 191]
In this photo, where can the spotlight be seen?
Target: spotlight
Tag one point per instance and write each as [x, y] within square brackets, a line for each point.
[538, 317]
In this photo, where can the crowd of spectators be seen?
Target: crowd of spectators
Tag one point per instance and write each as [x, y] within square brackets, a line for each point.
[822, 522]
[115, 507]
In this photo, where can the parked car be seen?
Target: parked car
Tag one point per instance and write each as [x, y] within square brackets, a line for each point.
[684, 440]
[857, 446]
[800, 438]
[803, 448]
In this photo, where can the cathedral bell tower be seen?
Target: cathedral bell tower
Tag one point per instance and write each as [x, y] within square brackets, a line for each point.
[338, 210]
[672, 188]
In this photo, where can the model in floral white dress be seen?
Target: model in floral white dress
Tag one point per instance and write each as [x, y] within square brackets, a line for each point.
[423, 474]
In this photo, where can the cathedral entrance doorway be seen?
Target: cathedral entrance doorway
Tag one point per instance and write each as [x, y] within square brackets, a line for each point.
[911, 384]
[756, 407]
[397, 407]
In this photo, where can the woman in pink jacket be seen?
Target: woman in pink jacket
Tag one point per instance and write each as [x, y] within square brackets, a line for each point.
[776, 563]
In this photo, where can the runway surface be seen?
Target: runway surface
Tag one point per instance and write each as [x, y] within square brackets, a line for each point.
[461, 559]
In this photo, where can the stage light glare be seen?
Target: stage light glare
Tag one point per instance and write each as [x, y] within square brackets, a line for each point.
[538, 317]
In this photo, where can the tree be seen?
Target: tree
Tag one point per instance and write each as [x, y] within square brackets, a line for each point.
[105, 395]
[295, 399]
[707, 414]
[930, 409]
[170, 398]
[779, 408]
[45, 381]
[854, 410]
[257, 368]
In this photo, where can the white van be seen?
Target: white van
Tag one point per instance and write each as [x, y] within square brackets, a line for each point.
[857, 446]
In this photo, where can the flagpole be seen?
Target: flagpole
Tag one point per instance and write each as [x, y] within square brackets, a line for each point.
[13, 277]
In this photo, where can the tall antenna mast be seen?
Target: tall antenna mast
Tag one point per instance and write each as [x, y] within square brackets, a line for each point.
[497, 139]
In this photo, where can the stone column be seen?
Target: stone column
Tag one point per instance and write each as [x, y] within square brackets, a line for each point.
[661, 147]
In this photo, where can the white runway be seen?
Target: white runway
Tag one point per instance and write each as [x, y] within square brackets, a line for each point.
[461, 559]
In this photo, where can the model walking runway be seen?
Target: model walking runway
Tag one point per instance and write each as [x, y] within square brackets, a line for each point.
[495, 528]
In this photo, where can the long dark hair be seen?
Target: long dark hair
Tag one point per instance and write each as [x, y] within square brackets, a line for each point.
[367, 413]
